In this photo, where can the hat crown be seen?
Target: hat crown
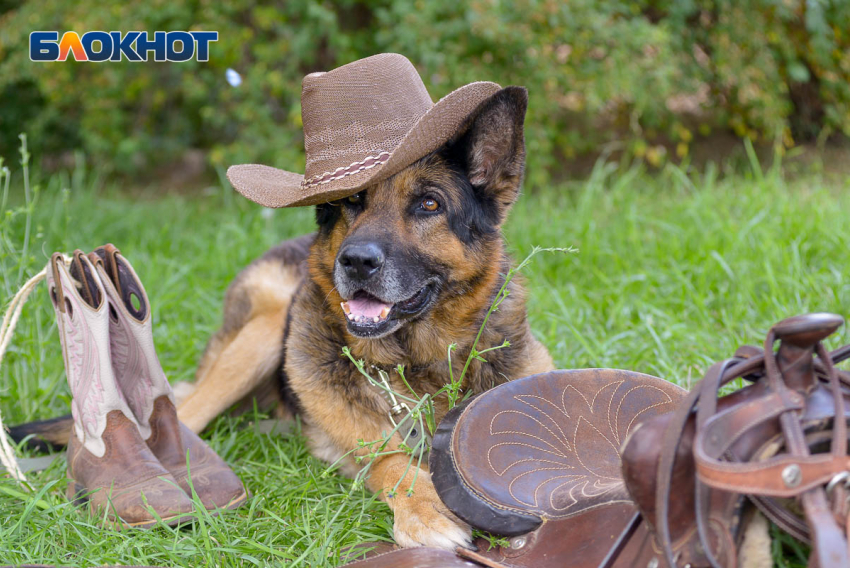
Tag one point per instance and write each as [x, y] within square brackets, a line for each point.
[357, 114]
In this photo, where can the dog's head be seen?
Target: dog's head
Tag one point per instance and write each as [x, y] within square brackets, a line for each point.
[388, 255]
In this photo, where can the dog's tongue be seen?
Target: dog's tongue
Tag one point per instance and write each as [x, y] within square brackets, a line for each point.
[367, 307]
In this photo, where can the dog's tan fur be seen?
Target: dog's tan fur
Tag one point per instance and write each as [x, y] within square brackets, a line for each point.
[245, 353]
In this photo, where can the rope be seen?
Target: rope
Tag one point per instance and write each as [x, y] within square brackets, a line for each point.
[7, 329]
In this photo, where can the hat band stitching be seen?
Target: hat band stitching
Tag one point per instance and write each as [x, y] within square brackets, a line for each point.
[354, 168]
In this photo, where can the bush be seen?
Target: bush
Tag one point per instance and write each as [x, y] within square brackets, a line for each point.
[643, 77]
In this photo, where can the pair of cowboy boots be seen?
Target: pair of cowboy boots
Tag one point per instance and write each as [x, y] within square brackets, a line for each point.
[128, 454]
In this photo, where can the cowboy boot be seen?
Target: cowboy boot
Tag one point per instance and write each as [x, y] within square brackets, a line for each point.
[149, 394]
[109, 465]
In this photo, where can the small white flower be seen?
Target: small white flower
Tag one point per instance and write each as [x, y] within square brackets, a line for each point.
[234, 78]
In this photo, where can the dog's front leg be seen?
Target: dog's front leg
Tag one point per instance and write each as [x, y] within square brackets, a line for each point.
[334, 424]
[421, 518]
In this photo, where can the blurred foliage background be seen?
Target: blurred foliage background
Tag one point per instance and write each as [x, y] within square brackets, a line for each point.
[643, 79]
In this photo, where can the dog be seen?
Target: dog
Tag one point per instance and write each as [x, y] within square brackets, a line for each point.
[427, 244]
[397, 272]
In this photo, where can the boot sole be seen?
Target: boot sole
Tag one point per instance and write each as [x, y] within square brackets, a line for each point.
[237, 502]
[77, 494]
[234, 503]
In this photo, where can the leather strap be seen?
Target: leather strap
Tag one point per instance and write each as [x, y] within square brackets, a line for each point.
[782, 517]
[765, 478]
[709, 390]
[840, 354]
[828, 541]
[722, 430]
[760, 478]
[621, 542]
[666, 461]
[839, 450]
[670, 445]
[478, 558]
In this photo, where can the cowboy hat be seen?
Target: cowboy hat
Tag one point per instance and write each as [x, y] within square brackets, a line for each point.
[363, 122]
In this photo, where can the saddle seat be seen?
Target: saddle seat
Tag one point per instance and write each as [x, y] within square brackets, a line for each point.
[538, 459]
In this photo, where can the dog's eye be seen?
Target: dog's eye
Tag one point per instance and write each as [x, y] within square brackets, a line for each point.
[355, 199]
[429, 204]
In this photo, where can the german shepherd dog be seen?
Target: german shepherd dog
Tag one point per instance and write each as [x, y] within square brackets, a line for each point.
[397, 273]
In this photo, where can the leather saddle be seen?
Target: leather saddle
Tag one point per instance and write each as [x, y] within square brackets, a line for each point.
[614, 469]
[538, 460]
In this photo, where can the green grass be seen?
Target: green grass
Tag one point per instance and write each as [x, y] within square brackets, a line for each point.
[673, 273]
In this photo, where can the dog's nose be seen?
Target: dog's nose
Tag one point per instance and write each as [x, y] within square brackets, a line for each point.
[361, 261]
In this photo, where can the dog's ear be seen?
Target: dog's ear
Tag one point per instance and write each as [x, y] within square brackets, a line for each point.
[493, 149]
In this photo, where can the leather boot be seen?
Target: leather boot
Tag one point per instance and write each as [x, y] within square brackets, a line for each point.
[149, 394]
[109, 465]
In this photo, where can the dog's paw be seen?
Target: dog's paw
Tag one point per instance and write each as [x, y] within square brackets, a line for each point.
[422, 519]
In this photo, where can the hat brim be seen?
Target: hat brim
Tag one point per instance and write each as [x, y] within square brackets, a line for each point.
[273, 187]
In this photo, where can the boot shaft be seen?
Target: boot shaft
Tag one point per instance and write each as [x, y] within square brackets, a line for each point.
[134, 361]
[82, 318]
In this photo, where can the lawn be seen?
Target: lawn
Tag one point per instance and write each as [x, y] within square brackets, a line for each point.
[673, 273]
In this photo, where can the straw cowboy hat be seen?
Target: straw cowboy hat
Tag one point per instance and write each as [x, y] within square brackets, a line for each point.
[363, 122]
